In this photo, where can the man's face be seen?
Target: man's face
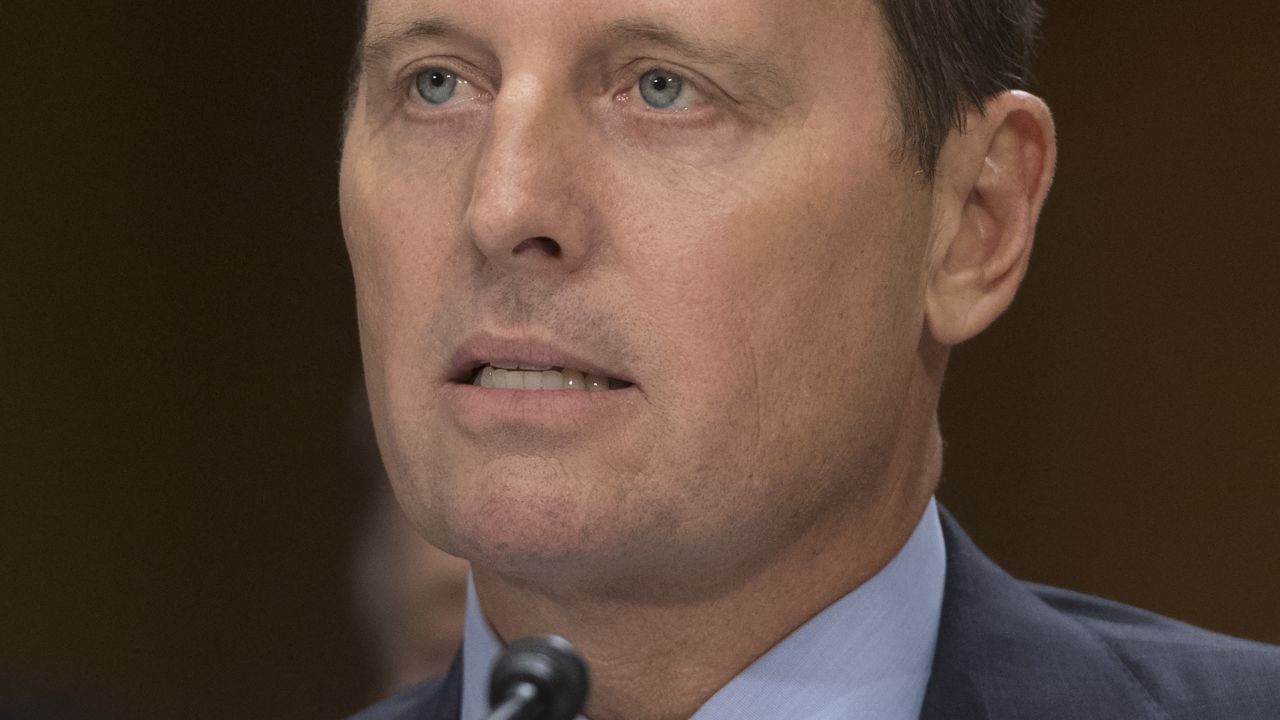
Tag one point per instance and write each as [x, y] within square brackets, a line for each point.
[698, 200]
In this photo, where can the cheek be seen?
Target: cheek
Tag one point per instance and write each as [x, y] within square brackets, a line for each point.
[785, 295]
[401, 229]
[836, 326]
[401, 215]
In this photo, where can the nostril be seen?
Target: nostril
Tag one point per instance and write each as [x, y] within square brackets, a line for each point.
[545, 244]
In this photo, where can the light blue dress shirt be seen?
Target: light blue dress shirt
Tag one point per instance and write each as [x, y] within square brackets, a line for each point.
[867, 656]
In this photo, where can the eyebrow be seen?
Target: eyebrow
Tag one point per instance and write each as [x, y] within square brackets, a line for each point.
[750, 63]
[382, 44]
[650, 31]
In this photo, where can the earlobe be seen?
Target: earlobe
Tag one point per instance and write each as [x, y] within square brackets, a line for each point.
[991, 184]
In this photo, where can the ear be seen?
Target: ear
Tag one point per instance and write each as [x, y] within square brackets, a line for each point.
[990, 185]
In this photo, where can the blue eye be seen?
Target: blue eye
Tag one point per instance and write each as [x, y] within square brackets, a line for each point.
[661, 88]
[436, 85]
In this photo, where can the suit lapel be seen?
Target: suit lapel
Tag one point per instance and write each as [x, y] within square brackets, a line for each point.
[447, 703]
[1003, 653]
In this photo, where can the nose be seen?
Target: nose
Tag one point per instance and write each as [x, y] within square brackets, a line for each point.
[532, 206]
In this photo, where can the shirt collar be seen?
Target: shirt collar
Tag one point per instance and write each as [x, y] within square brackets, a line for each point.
[867, 655]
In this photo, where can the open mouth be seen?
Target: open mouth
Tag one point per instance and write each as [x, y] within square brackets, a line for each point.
[523, 376]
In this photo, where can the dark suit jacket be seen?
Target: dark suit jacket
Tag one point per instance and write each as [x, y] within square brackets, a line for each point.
[1012, 650]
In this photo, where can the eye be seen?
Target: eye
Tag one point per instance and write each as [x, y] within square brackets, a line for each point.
[661, 88]
[437, 85]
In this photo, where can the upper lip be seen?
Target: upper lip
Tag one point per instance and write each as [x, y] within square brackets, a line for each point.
[484, 348]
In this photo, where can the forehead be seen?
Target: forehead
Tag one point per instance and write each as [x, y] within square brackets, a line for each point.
[812, 29]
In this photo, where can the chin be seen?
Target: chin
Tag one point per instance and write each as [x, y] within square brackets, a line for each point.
[519, 514]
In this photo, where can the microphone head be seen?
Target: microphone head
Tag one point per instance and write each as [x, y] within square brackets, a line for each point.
[550, 664]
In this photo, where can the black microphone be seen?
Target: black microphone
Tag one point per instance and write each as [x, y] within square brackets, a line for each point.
[538, 678]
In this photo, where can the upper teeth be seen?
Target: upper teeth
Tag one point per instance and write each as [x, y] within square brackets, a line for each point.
[520, 376]
[518, 366]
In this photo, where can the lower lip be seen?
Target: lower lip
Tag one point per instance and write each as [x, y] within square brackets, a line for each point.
[480, 409]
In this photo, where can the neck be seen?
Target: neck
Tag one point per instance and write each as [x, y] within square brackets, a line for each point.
[630, 646]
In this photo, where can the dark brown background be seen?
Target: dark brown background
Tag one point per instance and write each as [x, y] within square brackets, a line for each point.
[178, 345]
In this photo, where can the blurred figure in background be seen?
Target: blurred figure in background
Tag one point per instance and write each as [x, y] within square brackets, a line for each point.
[27, 700]
[410, 597]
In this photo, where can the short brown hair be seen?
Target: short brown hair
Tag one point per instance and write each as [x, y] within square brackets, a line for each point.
[948, 56]
[952, 55]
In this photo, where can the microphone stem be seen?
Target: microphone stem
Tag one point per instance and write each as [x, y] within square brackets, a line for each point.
[518, 699]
